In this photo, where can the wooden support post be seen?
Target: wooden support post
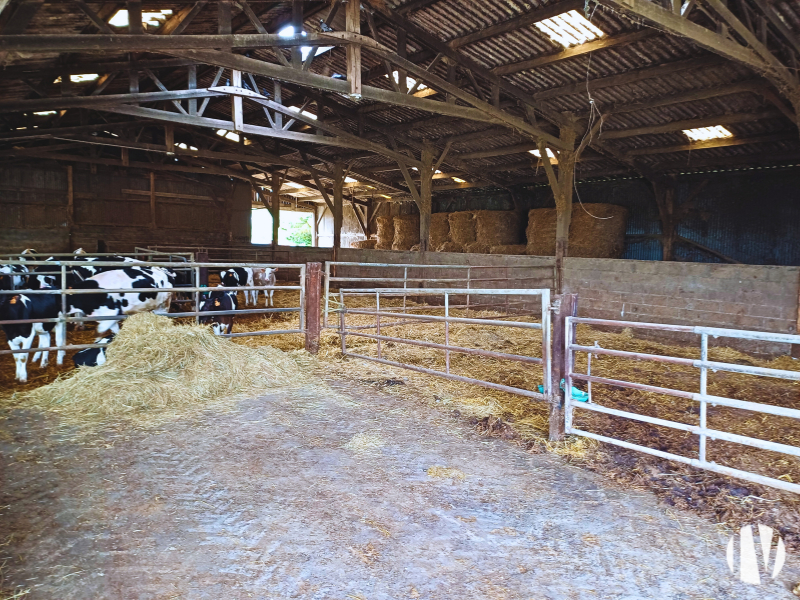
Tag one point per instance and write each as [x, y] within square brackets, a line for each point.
[278, 92]
[664, 191]
[353, 25]
[315, 226]
[236, 103]
[135, 26]
[152, 199]
[425, 199]
[192, 85]
[276, 207]
[567, 307]
[402, 51]
[202, 257]
[169, 137]
[338, 206]
[224, 17]
[297, 23]
[133, 78]
[312, 308]
[70, 205]
[124, 157]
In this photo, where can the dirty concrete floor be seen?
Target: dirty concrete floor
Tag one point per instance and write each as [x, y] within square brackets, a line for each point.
[325, 495]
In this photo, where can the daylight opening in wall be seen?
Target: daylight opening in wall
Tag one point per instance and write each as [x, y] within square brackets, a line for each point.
[230, 135]
[459, 180]
[288, 32]
[150, 19]
[296, 228]
[702, 134]
[569, 29]
[550, 155]
[45, 113]
[186, 147]
[305, 113]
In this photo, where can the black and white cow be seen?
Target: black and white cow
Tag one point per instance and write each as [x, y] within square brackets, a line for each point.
[264, 277]
[20, 337]
[92, 357]
[18, 274]
[219, 300]
[122, 303]
[240, 277]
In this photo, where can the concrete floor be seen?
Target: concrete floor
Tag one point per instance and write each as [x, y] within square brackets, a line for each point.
[326, 495]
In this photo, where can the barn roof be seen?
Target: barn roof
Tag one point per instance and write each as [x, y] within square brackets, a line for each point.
[629, 93]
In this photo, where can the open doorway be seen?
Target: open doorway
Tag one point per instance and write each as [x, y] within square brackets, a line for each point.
[296, 227]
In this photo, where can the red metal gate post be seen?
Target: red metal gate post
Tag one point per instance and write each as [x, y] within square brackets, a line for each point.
[566, 306]
[313, 289]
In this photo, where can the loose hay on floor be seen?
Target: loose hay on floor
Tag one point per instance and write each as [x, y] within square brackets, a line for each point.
[154, 364]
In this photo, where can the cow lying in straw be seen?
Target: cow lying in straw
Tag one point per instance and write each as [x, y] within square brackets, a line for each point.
[219, 300]
[92, 357]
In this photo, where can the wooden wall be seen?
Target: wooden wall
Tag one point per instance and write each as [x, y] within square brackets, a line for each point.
[59, 209]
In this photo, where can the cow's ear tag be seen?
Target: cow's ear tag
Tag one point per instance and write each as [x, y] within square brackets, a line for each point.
[216, 302]
[13, 299]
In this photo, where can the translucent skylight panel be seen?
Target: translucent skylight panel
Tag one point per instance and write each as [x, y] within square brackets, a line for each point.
[702, 134]
[288, 32]
[459, 180]
[302, 112]
[410, 82]
[152, 19]
[82, 78]
[569, 29]
[539, 154]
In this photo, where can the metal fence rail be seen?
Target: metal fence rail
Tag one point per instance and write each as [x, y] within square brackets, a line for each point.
[447, 319]
[702, 430]
[474, 277]
[196, 289]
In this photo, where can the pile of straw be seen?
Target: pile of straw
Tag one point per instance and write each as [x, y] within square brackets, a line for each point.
[153, 364]
[406, 232]
[364, 244]
[600, 234]
[450, 246]
[440, 229]
[462, 227]
[498, 227]
[509, 249]
[477, 248]
[385, 233]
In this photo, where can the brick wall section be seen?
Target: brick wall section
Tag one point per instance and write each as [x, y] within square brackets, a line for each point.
[760, 298]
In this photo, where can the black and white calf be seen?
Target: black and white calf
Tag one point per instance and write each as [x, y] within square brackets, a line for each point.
[240, 277]
[122, 303]
[92, 357]
[18, 274]
[19, 306]
[264, 277]
[219, 300]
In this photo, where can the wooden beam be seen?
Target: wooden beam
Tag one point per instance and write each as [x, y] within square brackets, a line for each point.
[599, 44]
[61, 102]
[688, 124]
[181, 20]
[518, 22]
[152, 200]
[353, 58]
[721, 143]
[505, 151]
[275, 208]
[98, 22]
[338, 204]
[751, 85]
[135, 25]
[21, 17]
[425, 197]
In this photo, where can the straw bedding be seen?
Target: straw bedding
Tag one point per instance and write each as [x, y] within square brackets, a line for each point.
[385, 233]
[367, 244]
[450, 246]
[155, 364]
[406, 232]
[462, 227]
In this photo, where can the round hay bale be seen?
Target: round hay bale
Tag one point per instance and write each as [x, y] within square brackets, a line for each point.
[509, 249]
[440, 229]
[589, 237]
[406, 232]
[153, 364]
[477, 248]
[498, 227]
[364, 244]
[450, 246]
[462, 227]
[600, 234]
[385, 233]
[541, 232]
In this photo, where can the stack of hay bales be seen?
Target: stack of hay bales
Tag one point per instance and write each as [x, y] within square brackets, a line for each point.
[462, 230]
[406, 232]
[597, 232]
[365, 244]
[385, 233]
[440, 229]
[450, 246]
[509, 249]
